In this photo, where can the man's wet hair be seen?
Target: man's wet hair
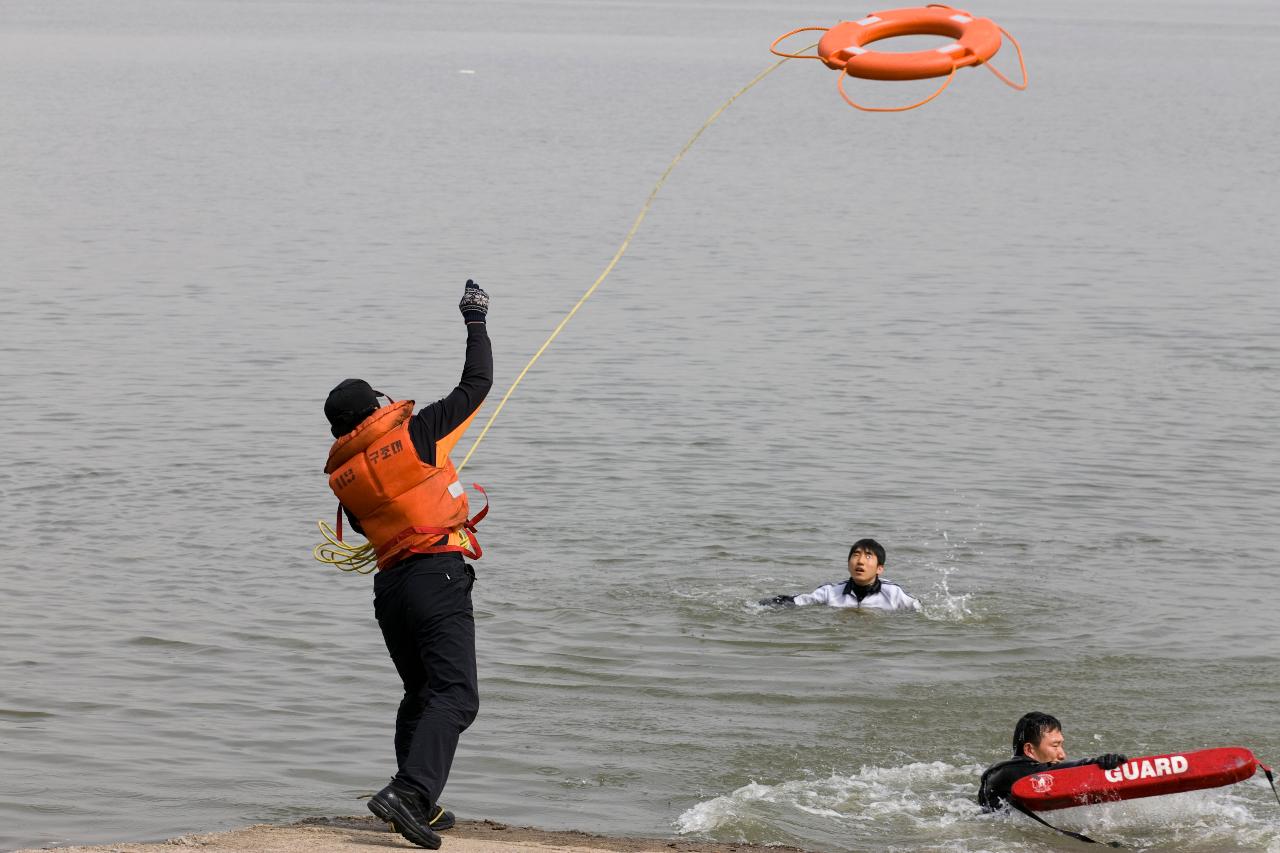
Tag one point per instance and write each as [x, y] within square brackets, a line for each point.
[868, 545]
[1032, 728]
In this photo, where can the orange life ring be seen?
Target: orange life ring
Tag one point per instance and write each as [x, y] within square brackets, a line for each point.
[844, 46]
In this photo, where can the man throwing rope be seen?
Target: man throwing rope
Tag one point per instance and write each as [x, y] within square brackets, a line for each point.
[391, 471]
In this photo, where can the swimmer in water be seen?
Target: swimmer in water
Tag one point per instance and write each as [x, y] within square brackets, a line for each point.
[865, 589]
[1037, 747]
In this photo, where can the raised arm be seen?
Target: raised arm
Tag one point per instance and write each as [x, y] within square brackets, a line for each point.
[437, 427]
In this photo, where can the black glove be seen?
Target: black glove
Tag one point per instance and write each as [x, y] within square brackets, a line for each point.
[475, 303]
[783, 600]
[1110, 761]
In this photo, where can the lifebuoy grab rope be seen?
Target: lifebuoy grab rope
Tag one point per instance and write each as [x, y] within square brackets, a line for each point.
[1022, 66]
[843, 48]
[865, 109]
[773, 48]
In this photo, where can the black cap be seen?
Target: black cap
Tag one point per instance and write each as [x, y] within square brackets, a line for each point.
[348, 404]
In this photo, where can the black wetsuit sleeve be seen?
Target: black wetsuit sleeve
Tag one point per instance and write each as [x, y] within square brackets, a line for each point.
[439, 420]
[997, 781]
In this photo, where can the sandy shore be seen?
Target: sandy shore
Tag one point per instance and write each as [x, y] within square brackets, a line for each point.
[367, 834]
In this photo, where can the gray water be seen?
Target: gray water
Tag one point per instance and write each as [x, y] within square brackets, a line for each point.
[1027, 340]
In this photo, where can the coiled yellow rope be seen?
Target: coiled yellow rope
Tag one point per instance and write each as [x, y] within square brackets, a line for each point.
[350, 558]
[361, 558]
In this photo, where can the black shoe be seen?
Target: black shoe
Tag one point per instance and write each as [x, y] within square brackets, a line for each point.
[406, 811]
[440, 819]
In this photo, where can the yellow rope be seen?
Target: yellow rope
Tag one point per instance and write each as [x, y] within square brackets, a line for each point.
[350, 558]
[635, 226]
[361, 558]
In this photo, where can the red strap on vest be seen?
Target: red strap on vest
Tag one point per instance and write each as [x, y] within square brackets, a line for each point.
[339, 524]
[469, 525]
[484, 510]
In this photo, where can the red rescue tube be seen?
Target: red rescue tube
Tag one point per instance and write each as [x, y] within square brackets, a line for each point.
[1148, 776]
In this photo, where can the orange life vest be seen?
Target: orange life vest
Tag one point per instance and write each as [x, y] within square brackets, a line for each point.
[403, 504]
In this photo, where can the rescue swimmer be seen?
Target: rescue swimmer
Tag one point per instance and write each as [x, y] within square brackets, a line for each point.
[391, 472]
[1037, 747]
[865, 589]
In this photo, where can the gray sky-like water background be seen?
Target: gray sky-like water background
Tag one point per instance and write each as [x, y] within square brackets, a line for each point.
[1027, 340]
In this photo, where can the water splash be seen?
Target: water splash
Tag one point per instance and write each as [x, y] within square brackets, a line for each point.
[942, 605]
[930, 805]
[870, 794]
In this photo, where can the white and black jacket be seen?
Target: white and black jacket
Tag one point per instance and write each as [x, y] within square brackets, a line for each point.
[881, 595]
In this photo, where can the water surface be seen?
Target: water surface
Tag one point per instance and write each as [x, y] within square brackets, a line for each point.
[1026, 340]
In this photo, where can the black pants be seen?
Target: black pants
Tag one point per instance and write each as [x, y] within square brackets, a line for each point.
[423, 606]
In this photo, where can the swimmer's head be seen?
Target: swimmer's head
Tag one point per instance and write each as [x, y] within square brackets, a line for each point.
[871, 547]
[1039, 736]
[866, 561]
